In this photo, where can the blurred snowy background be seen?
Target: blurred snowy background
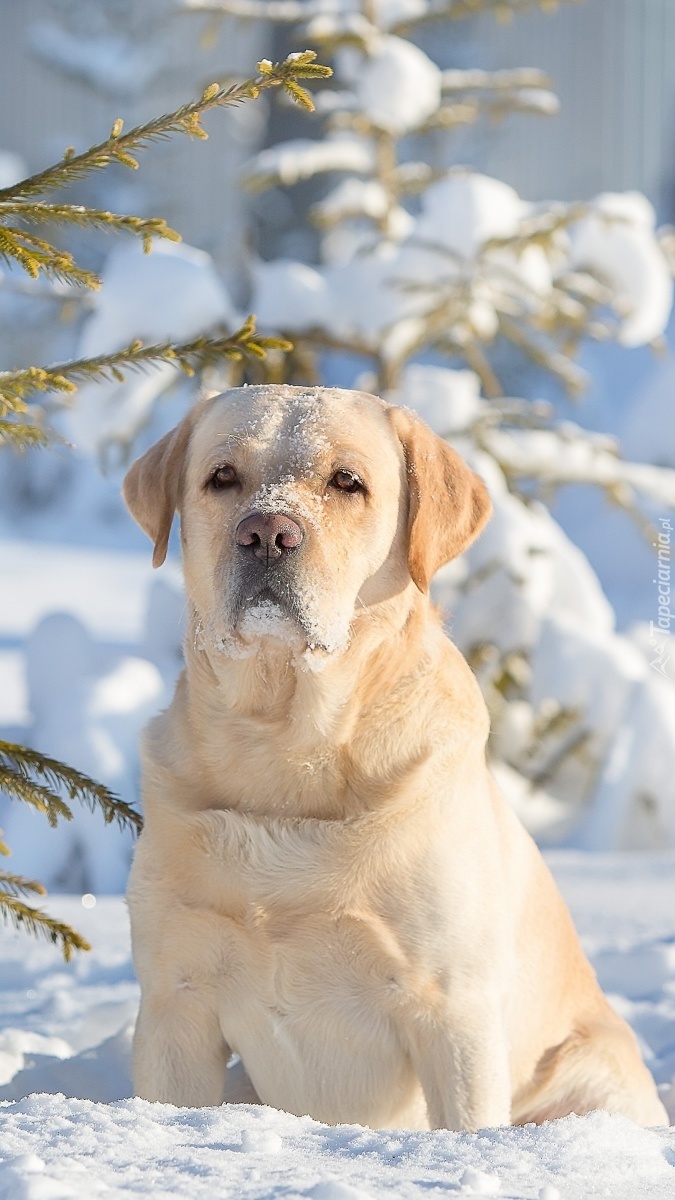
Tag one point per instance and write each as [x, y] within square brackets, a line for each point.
[392, 269]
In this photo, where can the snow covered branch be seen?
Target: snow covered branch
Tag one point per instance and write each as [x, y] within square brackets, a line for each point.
[569, 454]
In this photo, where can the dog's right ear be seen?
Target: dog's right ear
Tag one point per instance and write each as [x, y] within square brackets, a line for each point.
[152, 486]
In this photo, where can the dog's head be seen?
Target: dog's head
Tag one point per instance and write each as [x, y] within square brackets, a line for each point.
[300, 506]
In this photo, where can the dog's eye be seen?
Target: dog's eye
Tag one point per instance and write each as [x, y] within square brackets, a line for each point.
[346, 481]
[223, 477]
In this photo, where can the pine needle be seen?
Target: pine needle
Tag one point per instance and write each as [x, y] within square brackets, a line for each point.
[36, 921]
[18, 886]
[37, 257]
[19, 786]
[29, 775]
[23, 436]
[40, 213]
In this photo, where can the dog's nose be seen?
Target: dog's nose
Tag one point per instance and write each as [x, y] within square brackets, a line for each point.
[269, 535]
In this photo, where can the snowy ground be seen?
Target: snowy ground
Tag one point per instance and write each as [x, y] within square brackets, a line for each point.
[66, 1029]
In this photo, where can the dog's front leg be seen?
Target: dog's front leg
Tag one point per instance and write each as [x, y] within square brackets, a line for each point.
[460, 1055]
[179, 1054]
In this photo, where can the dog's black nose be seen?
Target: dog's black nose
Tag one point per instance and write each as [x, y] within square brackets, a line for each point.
[268, 535]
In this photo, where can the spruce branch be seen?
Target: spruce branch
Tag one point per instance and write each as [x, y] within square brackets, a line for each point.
[19, 209]
[118, 146]
[16, 885]
[38, 257]
[189, 356]
[18, 786]
[22, 436]
[35, 920]
[40, 213]
[29, 775]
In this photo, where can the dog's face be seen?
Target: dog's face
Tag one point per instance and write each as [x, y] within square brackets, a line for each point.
[301, 507]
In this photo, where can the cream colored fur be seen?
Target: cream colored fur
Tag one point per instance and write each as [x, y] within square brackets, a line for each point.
[329, 883]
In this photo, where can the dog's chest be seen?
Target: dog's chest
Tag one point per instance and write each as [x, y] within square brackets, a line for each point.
[308, 973]
[239, 861]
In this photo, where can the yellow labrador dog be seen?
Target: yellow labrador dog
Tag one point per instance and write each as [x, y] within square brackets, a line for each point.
[329, 883]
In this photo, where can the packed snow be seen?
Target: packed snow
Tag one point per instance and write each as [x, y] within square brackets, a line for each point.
[69, 1130]
[399, 86]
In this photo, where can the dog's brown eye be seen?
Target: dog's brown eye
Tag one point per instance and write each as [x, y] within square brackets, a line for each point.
[223, 477]
[345, 481]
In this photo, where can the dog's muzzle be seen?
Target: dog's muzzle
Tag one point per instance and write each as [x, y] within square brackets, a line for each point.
[267, 544]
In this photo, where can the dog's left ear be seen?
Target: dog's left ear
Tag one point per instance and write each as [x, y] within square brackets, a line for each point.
[151, 487]
[449, 503]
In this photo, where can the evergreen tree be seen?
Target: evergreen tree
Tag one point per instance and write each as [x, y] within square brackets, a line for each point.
[26, 775]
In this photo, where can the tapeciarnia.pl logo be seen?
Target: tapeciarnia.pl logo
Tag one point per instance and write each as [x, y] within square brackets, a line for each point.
[659, 631]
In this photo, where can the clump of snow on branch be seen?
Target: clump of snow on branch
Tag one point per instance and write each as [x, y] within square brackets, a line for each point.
[301, 158]
[463, 211]
[616, 241]
[173, 293]
[398, 87]
[462, 252]
[292, 286]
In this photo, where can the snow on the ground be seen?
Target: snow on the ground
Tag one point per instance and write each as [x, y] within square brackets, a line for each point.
[63, 1150]
[106, 590]
[68, 1130]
